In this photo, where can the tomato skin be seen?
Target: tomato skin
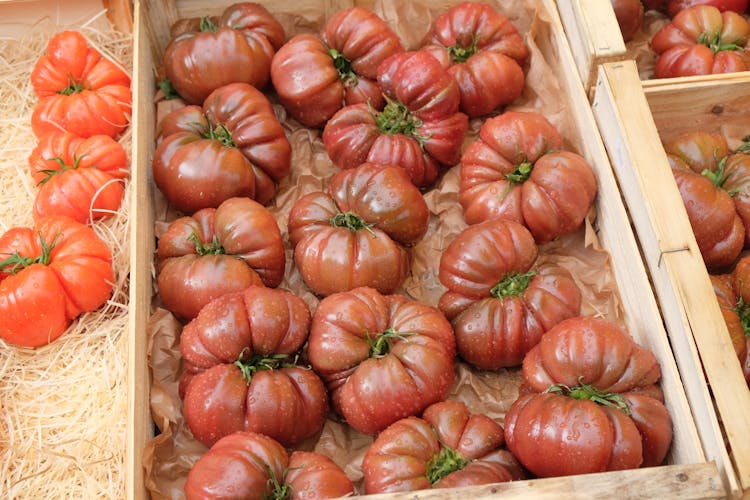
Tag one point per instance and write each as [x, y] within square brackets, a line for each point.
[629, 14]
[239, 50]
[728, 301]
[305, 75]
[675, 6]
[242, 465]
[399, 458]
[39, 301]
[79, 90]
[232, 146]
[489, 74]
[373, 392]
[250, 252]
[287, 403]
[553, 199]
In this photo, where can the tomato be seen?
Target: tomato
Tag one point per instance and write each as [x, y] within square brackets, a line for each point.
[448, 447]
[588, 403]
[483, 51]
[217, 251]
[673, 7]
[629, 14]
[236, 47]
[701, 40]
[383, 357]
[232, 146]
[419, 129]
[518, 170]
[355, 234]
[315, 76]
[740, 280]
[240, 371]
[79, 90]
[255, 467]
[78, 177]
[49, 275]
[733, 312]
[501, 303]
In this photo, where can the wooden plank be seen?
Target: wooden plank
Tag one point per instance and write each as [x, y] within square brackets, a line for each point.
[689, 307]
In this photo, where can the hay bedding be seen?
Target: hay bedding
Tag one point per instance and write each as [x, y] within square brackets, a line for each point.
[63, 407]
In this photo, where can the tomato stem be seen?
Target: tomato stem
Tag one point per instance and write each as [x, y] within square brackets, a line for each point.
[344, 67]
[165, 85]
[521, 173]
[250, 365]
[220, 133]
[212, 248]
[445, 462]
[73, 87]
[461, 54]
[352, 221]
[383, 343]
[588, 391]
[275, 490]
[743, 312]
[16, 262]
[512, 284]
[713, 42]
[50, 172]
[207, 24]
[718, 177]
[397, 119]
[745, 146]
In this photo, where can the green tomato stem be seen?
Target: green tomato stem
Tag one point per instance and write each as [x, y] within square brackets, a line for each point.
[445, 462]
[250, 365]
[460, 54]
[521, 173]
[344, 68]
[15, 262]
[587, 391]
[382, 344]
[207, 24]
[512, 284]
[397, 119]
[351, 221]
[212, 248]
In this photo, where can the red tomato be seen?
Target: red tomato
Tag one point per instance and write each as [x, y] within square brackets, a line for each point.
[673, 7]
[629, 14]
[733, 310]
[448, 447]
[740, 279]
[238, 47]
[589, 403]
[483, 51]
[419, 129]
[315, 76]
[78, 177]
[241, 373]
[233, 146]
[217, 251]
[255, 467]
[354, 235]
[49, 275]
[701, 40]
[79, 90]
[383, 357]
[518, 170]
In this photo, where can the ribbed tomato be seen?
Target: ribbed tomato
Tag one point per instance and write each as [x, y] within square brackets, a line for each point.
[217, 251]
[629, 14]
[588, 403]
[740, 278]
[255, 467]
[232, 146]
[49, 275]
[499, 301]
[241, 372]
[483, 51]
[315, 76]
[211, 53]
[79, 90]
[383, 357]
[447, 447]
[733, 310]
[673, 7]
[419, 129]
[355, 234]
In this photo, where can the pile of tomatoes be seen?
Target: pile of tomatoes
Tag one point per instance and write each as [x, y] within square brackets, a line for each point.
[263, 371]
[60, 268]
[703, 37]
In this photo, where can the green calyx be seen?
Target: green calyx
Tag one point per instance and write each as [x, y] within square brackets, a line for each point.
[460, 54]
[719, 176]
[206, 24]
[512, 284]
[445, 462]
[713, 42]
[275, 489]
[350, 221]
[165, 85]
[212, 248]
[382, 344]
[587, 391]
[344, 67]
[397, 119]
[50, 172]
[15, 262]
[220, 133]
[745, 146]
[743, 312]
[72, 88]
[250, 365]
[521, 173]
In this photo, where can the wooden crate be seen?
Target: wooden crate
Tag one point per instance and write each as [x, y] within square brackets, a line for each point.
[633, 120]
[689, 474]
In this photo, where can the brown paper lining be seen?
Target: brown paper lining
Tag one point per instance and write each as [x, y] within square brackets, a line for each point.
[169, 456]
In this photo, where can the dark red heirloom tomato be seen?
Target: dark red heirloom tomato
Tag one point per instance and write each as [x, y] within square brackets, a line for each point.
[629, 14]
[499, 302]
[255, 467]
[673, 7]
[516, 170]
[735, 311]
[740, 278]
[49, 275]
[233, 146]
[483, 51]
[448, 447]
[217, 251]
[78, 177]
[419, 129]
[354, 235]
[701, 40]
[79, 90]
[236, 47]
[240, 370]
[590, 403]
[315, 76]
[383, 357]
